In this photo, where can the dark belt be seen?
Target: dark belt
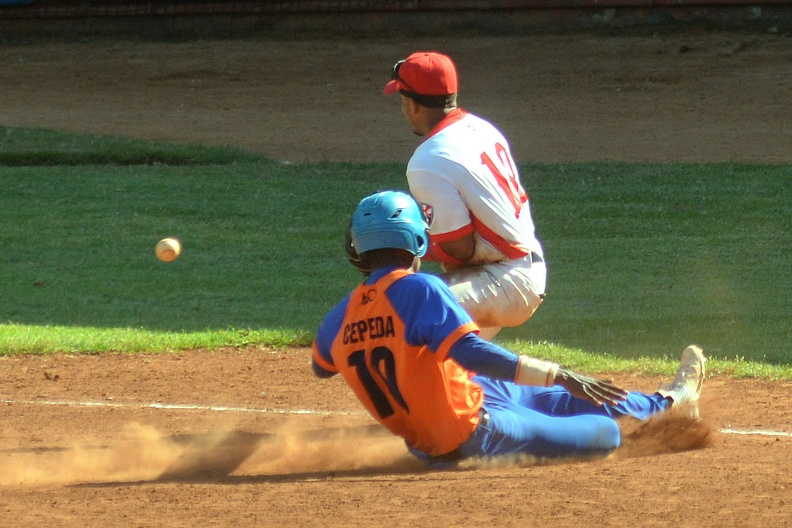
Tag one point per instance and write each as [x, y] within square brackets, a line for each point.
[456, 454]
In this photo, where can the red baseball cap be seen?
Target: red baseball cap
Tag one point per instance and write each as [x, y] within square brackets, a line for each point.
[424, 73]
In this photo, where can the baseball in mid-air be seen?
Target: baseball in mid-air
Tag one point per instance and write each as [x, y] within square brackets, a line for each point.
[168, 249]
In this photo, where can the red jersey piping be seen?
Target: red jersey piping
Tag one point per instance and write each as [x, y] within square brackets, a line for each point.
[512, 251]
[456, 234]
[450, 118]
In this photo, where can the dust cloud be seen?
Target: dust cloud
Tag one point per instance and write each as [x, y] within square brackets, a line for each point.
[142, 453]
[364, 450]
[669, 432]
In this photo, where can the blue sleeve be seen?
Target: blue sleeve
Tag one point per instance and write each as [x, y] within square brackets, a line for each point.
[428, 308]
[320, 372]
[483, 357]
[326, 334]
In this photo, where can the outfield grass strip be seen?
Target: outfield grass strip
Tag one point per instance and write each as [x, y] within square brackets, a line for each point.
[47, 148]
[595, 363]
[644, 258]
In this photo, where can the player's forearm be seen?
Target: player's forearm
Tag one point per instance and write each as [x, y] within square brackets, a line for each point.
[436, 253]
[452, 249]
[483, 357]
[493, 361]
[461, 249]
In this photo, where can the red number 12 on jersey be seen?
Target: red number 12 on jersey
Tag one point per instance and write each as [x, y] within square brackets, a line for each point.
[511, 185]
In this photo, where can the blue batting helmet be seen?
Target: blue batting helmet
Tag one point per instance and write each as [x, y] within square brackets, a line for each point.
[389, 219]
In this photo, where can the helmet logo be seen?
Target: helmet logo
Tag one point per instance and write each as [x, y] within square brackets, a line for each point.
[428, 212]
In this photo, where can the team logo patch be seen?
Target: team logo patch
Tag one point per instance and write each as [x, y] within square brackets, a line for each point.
[428, 212]
[369, 296]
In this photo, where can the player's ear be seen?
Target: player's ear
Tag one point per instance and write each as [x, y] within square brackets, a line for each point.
[409, 105]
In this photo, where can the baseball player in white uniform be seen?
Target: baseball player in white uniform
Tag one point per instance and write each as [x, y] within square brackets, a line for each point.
[466, 180]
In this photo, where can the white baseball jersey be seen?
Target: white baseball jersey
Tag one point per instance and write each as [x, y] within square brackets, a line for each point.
[465, 178]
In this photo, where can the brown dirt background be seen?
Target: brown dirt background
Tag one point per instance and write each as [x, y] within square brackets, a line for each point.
[696, 96]
[693, 96]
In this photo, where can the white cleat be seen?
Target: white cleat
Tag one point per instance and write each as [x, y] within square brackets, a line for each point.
[685, 389]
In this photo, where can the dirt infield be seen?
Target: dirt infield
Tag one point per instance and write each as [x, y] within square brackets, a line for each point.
[127, 461]
[248, 437]
[684, 97]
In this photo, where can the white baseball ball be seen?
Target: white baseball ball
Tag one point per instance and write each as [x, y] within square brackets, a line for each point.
[168, 249]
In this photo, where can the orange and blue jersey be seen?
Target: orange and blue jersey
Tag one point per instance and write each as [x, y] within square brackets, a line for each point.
[411, 354]
[390, 340]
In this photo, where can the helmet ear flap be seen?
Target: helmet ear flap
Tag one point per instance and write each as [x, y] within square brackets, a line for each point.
[352, 255]
[421, 244]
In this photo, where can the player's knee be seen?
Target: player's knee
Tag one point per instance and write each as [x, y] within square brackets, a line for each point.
[608, 435]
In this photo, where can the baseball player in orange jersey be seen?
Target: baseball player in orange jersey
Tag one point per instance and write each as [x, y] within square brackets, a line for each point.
[412, 356]
[464, 176]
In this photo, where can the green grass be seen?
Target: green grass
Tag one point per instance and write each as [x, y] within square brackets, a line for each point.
[644, 259]
[261, 246]
[43, 339]
[38, 147]
[593, 362]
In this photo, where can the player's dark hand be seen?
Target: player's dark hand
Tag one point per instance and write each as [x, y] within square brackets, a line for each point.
[598, 392]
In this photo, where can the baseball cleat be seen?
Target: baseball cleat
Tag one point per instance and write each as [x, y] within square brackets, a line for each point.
[686, 386]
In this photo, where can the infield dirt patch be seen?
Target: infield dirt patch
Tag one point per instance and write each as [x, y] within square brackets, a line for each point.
[230, 453]
[697, 96]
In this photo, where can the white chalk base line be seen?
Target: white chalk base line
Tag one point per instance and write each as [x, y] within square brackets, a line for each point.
[759, 432]
[274, 410]
[180, 406]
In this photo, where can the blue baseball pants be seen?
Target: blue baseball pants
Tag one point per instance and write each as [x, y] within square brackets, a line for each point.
[549, 421]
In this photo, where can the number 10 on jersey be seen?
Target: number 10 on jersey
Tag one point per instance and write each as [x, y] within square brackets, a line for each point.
[383, 368]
